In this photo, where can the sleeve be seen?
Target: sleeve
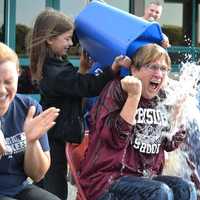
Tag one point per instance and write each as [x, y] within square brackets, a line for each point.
[177, 140]
[113, 129]
[66, 81]
[168, 145]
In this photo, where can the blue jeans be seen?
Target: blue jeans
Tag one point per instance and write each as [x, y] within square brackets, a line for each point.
[158, 188]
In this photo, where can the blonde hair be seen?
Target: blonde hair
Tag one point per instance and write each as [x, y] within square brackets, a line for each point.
[7, 54]
[49, 23]
[149, 53]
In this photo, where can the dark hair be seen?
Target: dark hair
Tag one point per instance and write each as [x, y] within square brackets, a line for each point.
[49, 23]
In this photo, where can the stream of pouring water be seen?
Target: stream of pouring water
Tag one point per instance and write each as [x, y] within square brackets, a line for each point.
[184, 95]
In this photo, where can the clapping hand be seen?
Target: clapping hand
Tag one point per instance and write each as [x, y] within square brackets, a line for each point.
[35, 127]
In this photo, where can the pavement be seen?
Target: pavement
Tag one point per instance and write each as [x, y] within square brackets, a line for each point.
[71, 192]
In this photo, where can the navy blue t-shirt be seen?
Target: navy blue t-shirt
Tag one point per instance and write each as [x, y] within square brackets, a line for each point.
[12, 176]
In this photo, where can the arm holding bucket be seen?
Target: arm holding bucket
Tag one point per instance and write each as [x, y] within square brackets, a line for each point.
[165, 42]
[86, 62]
[120, 61]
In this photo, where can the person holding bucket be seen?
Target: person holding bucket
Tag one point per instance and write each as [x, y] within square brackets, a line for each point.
[62, 85]
[130, 129]
[153, 12]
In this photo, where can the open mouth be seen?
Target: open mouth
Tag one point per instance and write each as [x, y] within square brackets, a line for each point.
[151, 19]
[154, 84]
[3, 98]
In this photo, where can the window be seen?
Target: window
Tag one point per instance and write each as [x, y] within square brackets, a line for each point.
[2, 21]
[180, 30]
[198, 26]
[173, 26]
[26, 12]
[123, 5]
[72, 9]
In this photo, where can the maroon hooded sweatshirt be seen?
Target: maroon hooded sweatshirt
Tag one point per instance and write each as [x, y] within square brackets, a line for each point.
[117, 148]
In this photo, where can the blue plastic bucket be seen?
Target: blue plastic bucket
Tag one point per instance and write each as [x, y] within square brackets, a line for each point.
[106, 32]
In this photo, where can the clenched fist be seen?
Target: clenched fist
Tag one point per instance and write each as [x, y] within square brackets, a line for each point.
[132, 85]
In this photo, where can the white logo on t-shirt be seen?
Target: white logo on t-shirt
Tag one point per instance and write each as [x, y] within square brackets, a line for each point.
[15, 144]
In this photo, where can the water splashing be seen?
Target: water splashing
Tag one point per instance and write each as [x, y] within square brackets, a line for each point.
[184, 96]
[182, 93]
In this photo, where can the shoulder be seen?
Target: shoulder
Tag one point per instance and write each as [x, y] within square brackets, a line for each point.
[115, 86]
[57, 63]
[114, 90]
[25, 99]
[23, 102]
[54, 67]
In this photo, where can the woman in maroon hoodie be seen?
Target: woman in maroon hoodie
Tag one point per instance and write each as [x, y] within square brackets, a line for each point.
[129, 134]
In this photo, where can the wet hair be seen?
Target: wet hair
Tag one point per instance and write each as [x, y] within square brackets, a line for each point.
[149, 53]
[7, 54]
[48, 24]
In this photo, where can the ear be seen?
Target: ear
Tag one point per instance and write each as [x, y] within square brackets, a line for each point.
[19, 71]
[49, 41]
[133, 69]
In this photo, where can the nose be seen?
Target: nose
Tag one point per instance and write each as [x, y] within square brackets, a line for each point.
[154, 14]
[158, 72]
[71, 43]
[2, 89]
